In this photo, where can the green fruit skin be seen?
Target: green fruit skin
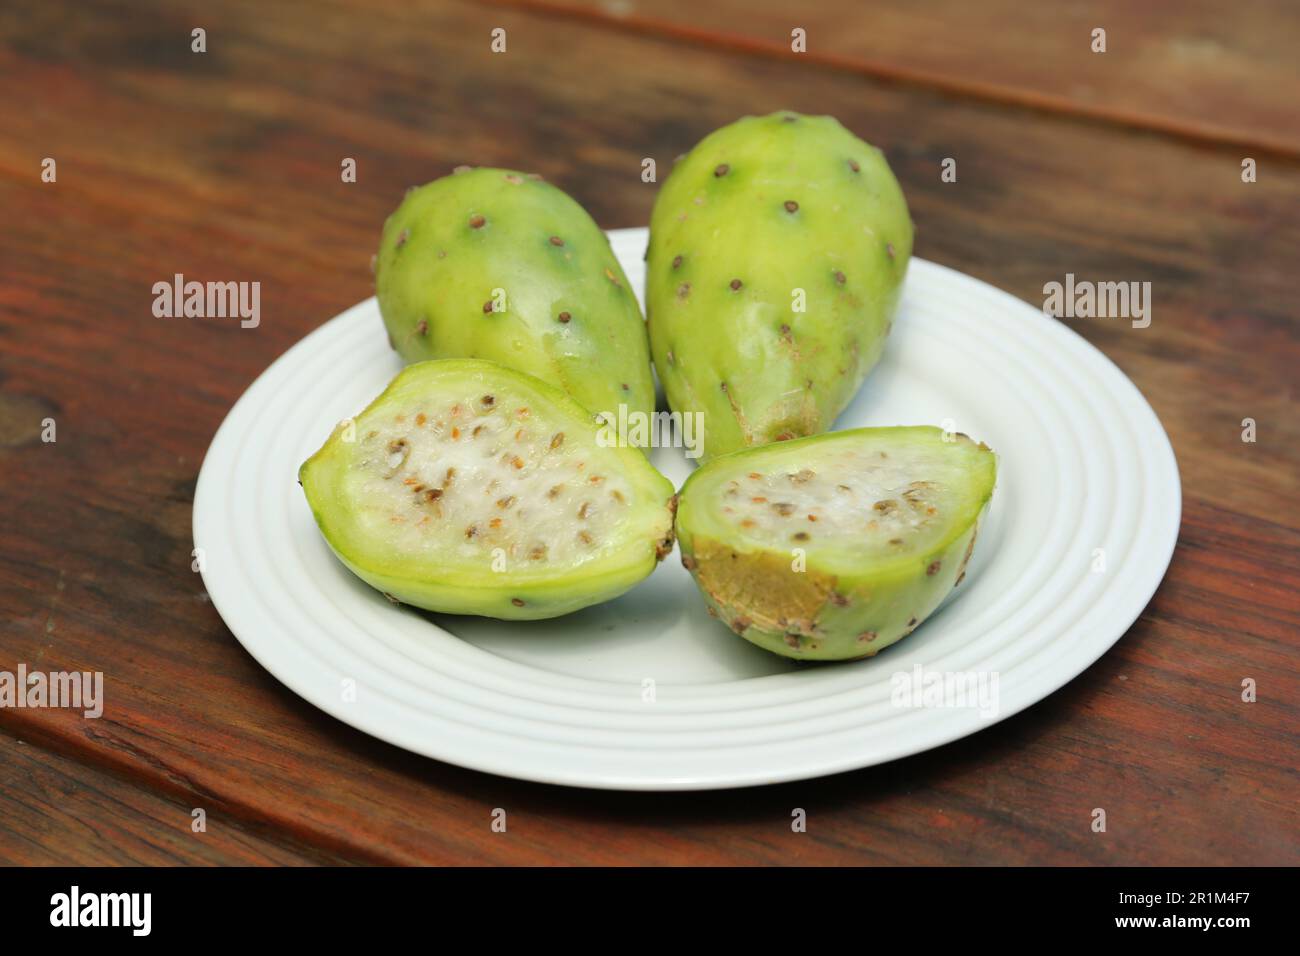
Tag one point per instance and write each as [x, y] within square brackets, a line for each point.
[758, 370]
[456, 589]
[842, 616]
[439, 264]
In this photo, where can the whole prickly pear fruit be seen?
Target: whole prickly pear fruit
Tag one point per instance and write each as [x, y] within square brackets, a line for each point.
[470, 488]
[499, 265]
[778, 247]
[835, 546]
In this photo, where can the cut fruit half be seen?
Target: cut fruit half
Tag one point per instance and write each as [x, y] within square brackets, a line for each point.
[470, 488]
[835, 546]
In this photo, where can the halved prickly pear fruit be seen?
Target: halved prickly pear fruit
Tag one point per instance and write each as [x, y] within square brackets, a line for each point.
[499, 265]
[470, 488]
[835, 546]
[778, 248]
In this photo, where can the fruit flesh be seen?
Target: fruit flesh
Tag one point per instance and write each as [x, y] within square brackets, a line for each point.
[496, 264]
[469, 488]
[835, 546]
[778, 248]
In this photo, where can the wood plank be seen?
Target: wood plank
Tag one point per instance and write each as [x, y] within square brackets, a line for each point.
[57, 812]
[1188, 69]
[226, 168]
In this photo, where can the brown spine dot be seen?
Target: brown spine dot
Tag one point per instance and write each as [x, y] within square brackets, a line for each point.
[677, 261]
[422, 327]
[517, 602]
[932, 569]
[721, 170]
[487, 307]
[557, 440]
[556, 241]
[477, 222]
[564, 317]
[736, 284]
[889, 249]
[791, 206]
[683, 290]
[839, 277]
[853, 165]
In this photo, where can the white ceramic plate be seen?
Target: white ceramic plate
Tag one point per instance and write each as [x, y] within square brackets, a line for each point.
[650, 693]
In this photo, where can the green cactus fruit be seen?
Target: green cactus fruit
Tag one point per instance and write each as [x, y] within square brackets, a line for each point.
[778, 248]
[470, 488]
[499, 265]
[835, 546]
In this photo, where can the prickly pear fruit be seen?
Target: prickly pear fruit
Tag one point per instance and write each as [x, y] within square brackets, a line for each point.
[778, 247]
[470, 488]
[835, 546]
[499, 265]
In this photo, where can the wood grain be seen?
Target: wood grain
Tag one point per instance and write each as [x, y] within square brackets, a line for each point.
[57, 812]
[1188, 69]
[225, 166]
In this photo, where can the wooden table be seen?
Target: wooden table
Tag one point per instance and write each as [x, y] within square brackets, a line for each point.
[1123, 165]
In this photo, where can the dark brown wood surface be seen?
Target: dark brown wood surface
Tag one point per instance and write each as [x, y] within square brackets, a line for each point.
[225, 165]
